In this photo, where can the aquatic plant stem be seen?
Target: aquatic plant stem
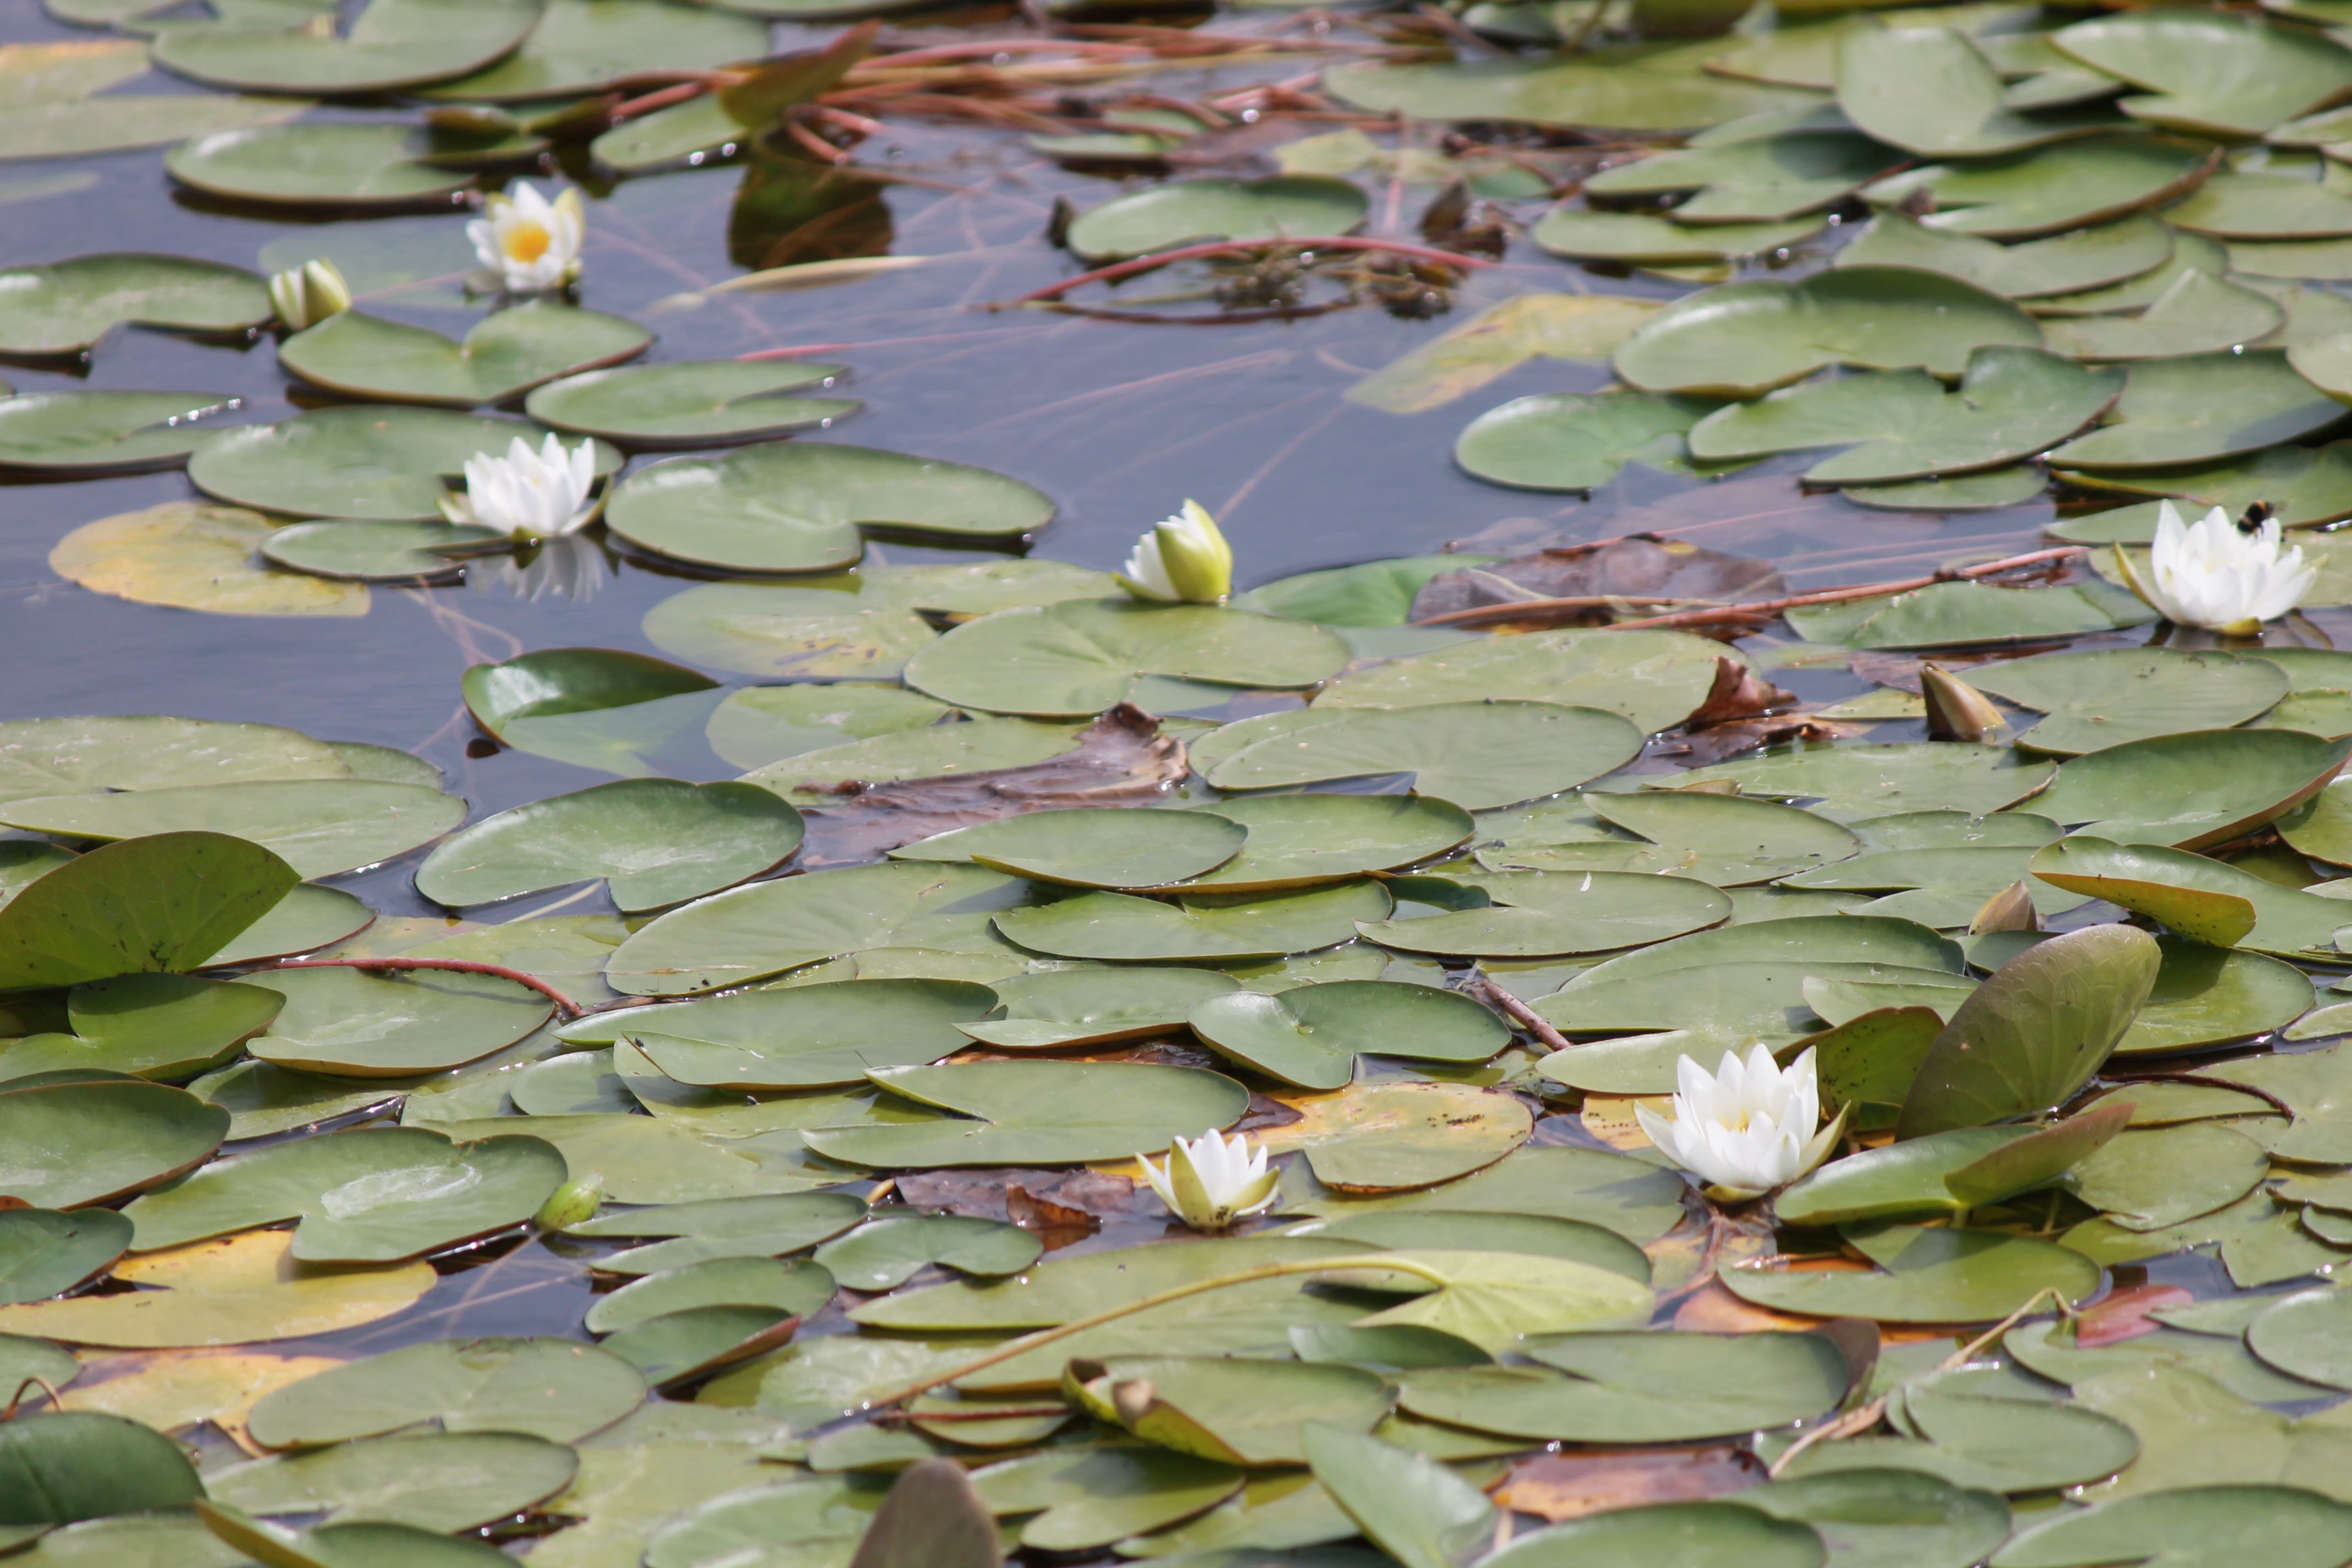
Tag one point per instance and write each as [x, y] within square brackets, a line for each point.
[1160, 259]
[564, 1005]
[1028, 1343]
[1527, 1018]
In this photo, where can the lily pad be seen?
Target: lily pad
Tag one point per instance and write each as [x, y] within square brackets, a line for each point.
[319, 827]
[2205, 995]
[194, 557]
[1213, 927]
[1186, 211]
[149, 1026]
[2048, 190]
[1851, 781]
[439, 1482]
[2151, 1177]
[383, 464]
[757, 725]
[1571, 441]
[1477, 754]
[2220, 76]
[1639, 1388]
[1949, 613]
[1298, 840]
[702, 402]
[1656, 679]
[1091, 847]
[1762, 180]
[795, 1287]
[1727, 840]
[600, 708]
[2109, 696]
[654, 841]
[2106, 257]
[884, 1254]
[68, 306]
[1094, 1006]
[362, 1197]
[347, 165]
[1930, 90]
[1586, 234]
[806, 1036]
[1533, 914]
[1695, 1534]
[1231, 1411]
[2193, 788]
[162, 904]
[352, 1023]
[587, 46]
[1081, 657]
[2202, 899]
[1310, 1036]
[68, 1466]
[2200, 407]
[61, 433]
[507, 353]
[555, 1389]
[1748, 338]
[2012, 403]
[1025, 1113]
[45, 1253]
[392, 44]
[1888, 1518]
[2199, 313]
[1924, 1276]
[1379, 1136]
[797, 506]
[1645, 87]
[77, 1143]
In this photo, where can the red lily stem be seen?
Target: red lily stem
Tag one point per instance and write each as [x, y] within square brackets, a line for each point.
[564, 1005]
[662, 99]
[1160, 259]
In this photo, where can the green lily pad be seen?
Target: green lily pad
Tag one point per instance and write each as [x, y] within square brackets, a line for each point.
[2075, 263]
[1586, 234]
[1656, 679]
[757, 725]
[806, 1036]
[1852, 782]
[2189, 252]
[683, 1347]
[1213, 927]
[2207, 996]
[1762, 180]
[2221, 76]
[860, 625]
[600, 708]
[1091, 847]
[1081, 657]
[2200, 407]
[655, 841]
[588, 46]
[1534, 914]
[1088, 1499]
[1310, 1036]
[796, 506]
[1539, 1236]
[362, 1196]
[751, 933]
[74, 433]
[1980, 1430]
[2109, 696]
[43, 756]
[1727, 840]
[1572, 441]
[2048, 190]
[2306, 1336]
[380, 464]
[1889, 1519]
[68, 306]
[706, 1232]
[1298, 840]
[1639, 1388]
[45, 1253]
[149, 1026]
[1940, 1174]
[439, 1482]
[77, 1143]
[508, 353]
[347, 165]
[2200, 897]
[795, 1287]
[551, 1388]
[78, 127]
[2193, 788]
[162, 904]
[1930, 90]
[2152, 1177]
[884, 1254]
[699, 403]
[1186, 211]
[1419, 1511]
[1094, 1006]
[379, 552]
[2200, 313]
[352, 1023]
[319, 827]
[1230, 1411]
[1924, 1276]
[1645, 87]
[1949, 613]
[1035, 1113]
[2012, 403]
[392, 44]
[1477, 754]
[1694, 1534]
[1748, 338]
[74, 1464]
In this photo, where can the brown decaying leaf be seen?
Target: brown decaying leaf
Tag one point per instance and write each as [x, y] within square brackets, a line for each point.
[1724, 741]
[1645, 564]
[1900, 670]
[988, 1193]
[2124, 1314]
[1738, 692]
[1121, 759]
[1571, 1485]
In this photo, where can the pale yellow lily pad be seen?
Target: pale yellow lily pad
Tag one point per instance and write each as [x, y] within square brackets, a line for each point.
[1499, 340]
[1371, 1137]
[236, 1290]
[172, 1389]
[190, 556]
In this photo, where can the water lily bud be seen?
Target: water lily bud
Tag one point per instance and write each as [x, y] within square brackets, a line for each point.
[2011, 909]
[305, 295]
[1183, 560]
[1211, 1183]
[1956, 710]
[571, 1204]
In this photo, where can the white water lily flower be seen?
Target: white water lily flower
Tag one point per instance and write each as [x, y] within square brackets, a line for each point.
[1747, 1128]
[1211, 1183]
[2214, 574]
[530, 242]
[527, 495]
[305, 295]
[1182, 559]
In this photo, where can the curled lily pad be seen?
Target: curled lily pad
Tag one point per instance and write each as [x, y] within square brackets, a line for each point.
[799, 506]
[1091, 847]
[1747, 338]
[75, 1464]
[161, 904]
[392, 44]
[1227, 1409]
[1082, 655]
[1478, 755]
[1310, 1036]
[704, 403]
[105, 432]
[655, 841]
[68, 306]
[381, 464]
[2200, 897]
[507, 353]
[328, 165]
[1307, 206]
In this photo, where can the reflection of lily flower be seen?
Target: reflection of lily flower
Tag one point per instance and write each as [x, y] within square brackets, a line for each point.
[1211, 1183]
[526, 494]
[305, 295]
[572, 568]
[531, 242]
[1747, 1127]
[1184, 559]
[2216, 574]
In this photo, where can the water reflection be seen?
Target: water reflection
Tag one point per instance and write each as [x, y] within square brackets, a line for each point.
[575, 567]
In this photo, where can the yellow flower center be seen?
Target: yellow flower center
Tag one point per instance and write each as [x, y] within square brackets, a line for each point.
[528, 241]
